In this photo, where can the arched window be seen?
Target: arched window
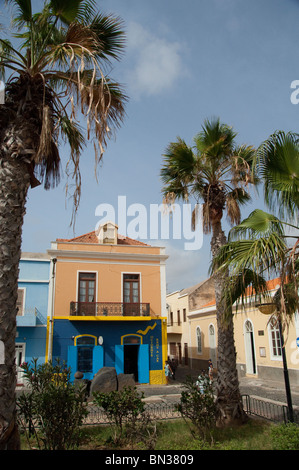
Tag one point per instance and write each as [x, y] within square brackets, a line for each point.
[131, 339]
[85, 345]
[198, 340]
[275, 340]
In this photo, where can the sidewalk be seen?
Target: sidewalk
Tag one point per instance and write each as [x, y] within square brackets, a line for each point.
[253, 386]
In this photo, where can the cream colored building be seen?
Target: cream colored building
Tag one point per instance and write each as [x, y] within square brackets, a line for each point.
[177, 327]
[181, 344]
[257, 338]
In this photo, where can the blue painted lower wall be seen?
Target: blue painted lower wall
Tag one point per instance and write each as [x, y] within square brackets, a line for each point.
[35, 342]
[114, 351]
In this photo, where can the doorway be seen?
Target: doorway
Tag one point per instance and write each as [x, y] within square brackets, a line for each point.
[131, 360]
[20, 358]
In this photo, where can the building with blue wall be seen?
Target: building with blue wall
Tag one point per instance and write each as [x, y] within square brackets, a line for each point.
[129, 346]
[33, 305]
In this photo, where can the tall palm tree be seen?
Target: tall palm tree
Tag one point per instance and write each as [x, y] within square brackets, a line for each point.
[264, 243]
[217, 172]
[56, 75]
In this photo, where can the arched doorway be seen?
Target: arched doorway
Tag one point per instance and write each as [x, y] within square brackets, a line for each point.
[249, 348]
[132, 357]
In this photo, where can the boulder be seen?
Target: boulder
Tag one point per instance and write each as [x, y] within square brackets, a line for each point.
[104, 381]
[125, 380]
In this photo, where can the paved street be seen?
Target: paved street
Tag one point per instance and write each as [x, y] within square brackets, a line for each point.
[265, 389]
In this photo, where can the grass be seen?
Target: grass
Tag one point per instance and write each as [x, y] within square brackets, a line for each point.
[176, 435]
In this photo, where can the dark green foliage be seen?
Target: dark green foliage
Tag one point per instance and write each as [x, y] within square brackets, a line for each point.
[198, 409]
[53, 409]
[126, 413]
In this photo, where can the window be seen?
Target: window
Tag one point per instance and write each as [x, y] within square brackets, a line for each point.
[85, 345]
[179, 317]
[87, 282]
[184, 315]
[171, 318]
[87, 294]
[132, 339]
[275, 340]
[131, 294]
[198, 339]
[21, 301]
[131, 288]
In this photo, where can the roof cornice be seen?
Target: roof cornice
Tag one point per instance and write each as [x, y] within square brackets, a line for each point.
[70, 254]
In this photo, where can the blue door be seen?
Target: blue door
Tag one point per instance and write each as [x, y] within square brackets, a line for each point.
[98, 359]
[119, 358]
[143, 364]
[72, 360]
[142, 361]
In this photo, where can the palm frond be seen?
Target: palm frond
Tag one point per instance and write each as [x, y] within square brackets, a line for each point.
[23, 11]
[110, 36]
[202, 172]
[245, 288]
[278, 164]
[257, 223]
[60, 74]
[71, 10]
[261, 255]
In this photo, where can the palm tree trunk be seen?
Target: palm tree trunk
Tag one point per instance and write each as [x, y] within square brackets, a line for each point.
[229, 399]
[14, 183]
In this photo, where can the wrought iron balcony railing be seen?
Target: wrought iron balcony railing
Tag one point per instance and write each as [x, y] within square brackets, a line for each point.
[109, 309]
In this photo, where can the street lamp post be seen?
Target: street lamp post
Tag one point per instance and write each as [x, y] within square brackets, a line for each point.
[269, 309]
[286, 374]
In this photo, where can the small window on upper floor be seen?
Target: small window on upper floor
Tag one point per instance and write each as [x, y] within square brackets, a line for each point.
[21, 301]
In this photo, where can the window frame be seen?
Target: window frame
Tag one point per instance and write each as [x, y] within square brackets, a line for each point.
[131, 281]
[274, 335]
[21, 312]
[95, 285]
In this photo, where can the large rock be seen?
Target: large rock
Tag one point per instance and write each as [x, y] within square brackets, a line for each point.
[125, 380]
[104, 381]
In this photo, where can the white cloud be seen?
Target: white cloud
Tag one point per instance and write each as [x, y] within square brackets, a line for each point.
[157, 62]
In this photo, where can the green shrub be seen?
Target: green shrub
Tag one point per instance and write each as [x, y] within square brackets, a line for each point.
[125, 411]
[285, 437]
[198, 409]
[53, 409]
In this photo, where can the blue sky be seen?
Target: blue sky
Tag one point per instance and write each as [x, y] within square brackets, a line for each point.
[184, 62]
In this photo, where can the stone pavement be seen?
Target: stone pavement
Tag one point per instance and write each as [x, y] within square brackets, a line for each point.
[255, 387]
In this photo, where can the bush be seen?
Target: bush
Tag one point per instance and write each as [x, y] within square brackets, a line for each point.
[53, 409]
[285, 437]
[198, 409]
[126, 413]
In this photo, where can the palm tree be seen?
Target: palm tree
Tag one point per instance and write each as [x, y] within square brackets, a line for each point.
[57, 73]
[263, 242]
[217, 172]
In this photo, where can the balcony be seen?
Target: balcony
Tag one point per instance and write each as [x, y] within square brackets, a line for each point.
[31, 317]
[174, 328]
[109, 309]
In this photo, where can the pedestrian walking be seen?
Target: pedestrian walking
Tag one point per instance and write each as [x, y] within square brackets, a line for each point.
[201, 382]
[210, 372]
[168, 371]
